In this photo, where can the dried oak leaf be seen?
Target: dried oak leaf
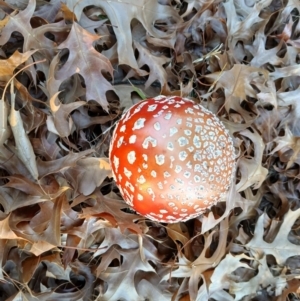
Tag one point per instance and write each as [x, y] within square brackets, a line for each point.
[41, 226]
[281, 248]
[54, 166]
[251, 169]
[112, 210]
[121, 279]
[88, 174]
[155, 63]
[34, 38]
[194, 270]
[243, 28]
[85, 60]
[222, 278]
[50, 189]
[48, 10]
[61, 122]
[10, 200]
[8, 66]
[286, 143]
[238, 84]
[261, 55]
[290, 98]
[121, 14]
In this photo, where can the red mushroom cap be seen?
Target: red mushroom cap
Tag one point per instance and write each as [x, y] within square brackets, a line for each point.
[171, 158]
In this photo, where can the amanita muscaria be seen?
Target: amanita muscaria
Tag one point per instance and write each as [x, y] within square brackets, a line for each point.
[171, 158]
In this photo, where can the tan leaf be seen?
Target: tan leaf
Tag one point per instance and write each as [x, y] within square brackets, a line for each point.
[63, 123]
[281, 248]
[251, 169]
[24, 147]
[237, 85]
[121, 279]
[89, 173]
[122, 13]
[8, 66]
[85, 60]
[155, 63]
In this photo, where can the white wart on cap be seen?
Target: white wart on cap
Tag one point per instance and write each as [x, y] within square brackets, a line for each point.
[171, 158]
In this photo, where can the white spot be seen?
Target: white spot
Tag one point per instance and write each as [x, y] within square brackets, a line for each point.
[120, 141]
[148, 140]
[168, 116]
[169, 217]
[157, 126]
[178, 168]
[167, 174]
[183, 214]
[132, 139]
[178, 180]
[153, 173]
[145, 157]
[158, 113]
[127, 173]
[179, 121]
[140, 197]
[189, 124]
[151, 192]
[197, 179]
[131, 187]
[163, 211]
[187, 174]
[183, 210]
[182, 155]
[198, 129]
[189, 111]
[139, 124]
[123, 128]
[189, 165]
[152, 108]
[188, 132]
[159, 97]
[116, 163]
[183, 141]
[141, 179]
[197, 168]
[171, 204]
[170, 146]
[120, 177]
[173, 130]
[131, 157]
[160, 159]
[145, 165]
[160, 185]
[197, 141]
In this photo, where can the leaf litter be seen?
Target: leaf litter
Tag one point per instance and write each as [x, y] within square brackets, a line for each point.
[68, 70]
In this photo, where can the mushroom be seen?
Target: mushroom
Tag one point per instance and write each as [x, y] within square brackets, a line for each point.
[171, 158]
